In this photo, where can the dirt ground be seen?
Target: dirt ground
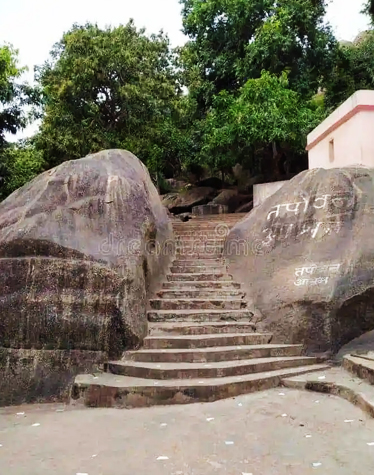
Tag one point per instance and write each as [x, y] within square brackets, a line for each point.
[276, 432]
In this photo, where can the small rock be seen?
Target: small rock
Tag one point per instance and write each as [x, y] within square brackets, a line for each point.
[308, 436]
[316, 464]
[162, 457]
[36, 424]
[284, 415]
[229, 442]
[210, 419]
[349, 420]
[163, 424]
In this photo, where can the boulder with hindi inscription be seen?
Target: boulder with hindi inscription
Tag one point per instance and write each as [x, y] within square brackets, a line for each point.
[306, 258]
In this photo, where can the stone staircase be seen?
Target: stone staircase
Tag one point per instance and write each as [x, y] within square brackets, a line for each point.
[202, 345]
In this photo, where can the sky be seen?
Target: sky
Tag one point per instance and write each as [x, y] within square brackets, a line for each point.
[33, 26]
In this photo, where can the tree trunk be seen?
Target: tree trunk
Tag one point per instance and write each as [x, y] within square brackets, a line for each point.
[276, 160]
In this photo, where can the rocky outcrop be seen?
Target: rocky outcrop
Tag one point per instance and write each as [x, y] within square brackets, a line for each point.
[305, 257]
[246, 208]
[176, 184]
[183, 202]
[82, 247]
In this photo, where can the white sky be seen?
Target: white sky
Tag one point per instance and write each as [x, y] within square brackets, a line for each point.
[33, 26]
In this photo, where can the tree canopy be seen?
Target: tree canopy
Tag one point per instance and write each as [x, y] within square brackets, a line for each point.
[13, 94]
[253, 79]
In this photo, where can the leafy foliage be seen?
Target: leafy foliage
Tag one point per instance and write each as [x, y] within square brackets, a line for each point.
[253, 79]
[21, 162]
[232, 41]
[353, 70]
[112, 88]
[13, 94]
[266, 115]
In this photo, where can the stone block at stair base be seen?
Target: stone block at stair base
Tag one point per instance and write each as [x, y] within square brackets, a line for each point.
[121, 392]
[361, 366]
[208, 209]
[42, 375]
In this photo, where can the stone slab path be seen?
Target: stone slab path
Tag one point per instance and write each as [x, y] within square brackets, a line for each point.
[276, 432]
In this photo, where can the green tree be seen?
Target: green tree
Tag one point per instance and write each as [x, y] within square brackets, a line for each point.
[232, 41]
[111, 88]
[21, 163]
[353, 70]
[12, 93]
[368, 9]
[265, 119]
[15, 96]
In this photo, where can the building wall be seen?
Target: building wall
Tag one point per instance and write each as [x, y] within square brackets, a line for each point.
[346, 137]
[347, 148]
[263, 191]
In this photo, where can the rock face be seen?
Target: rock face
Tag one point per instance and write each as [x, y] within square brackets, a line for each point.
[82, 248]
[232, 199]
[184, 202]
[246, 208]
[306, 258]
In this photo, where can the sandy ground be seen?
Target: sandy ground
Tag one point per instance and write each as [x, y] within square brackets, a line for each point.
[276, 432]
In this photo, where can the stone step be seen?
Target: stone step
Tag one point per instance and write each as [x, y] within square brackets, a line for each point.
[187, 304]
[209, 234]
[219, 369]
[208, 263]
[207, 355]
[213, 227]
[198, 252]
[205, 341]
[361, 366]
[191, 258]
[204, 328]
[196, 255]
[199, 315]
[203, 276]
[200, 294]
[212, 262]
[199, 244]
[200, 239]
[196, 285]
[109, 390]
[214, 218]
[192, 269]
[207, 221]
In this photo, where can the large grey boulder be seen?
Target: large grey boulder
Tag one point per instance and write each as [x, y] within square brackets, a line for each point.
[82, 247]
[306, 258]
